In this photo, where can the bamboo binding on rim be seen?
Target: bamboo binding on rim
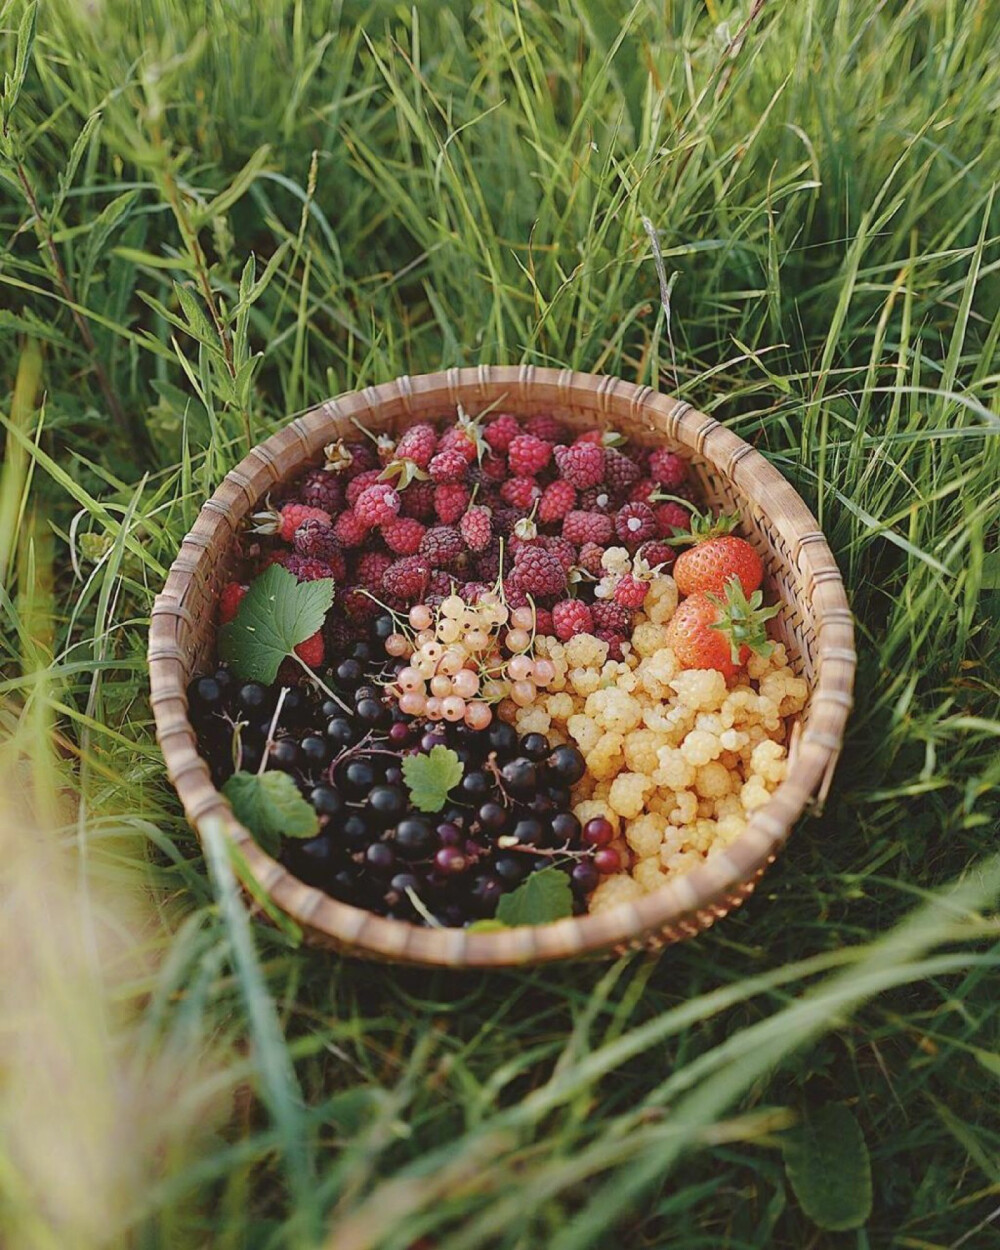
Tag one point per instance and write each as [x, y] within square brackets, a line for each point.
[815, 624]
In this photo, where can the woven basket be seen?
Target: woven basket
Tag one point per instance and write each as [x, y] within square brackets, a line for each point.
[814, 623]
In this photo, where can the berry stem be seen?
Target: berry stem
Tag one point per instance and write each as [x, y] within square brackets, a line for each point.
[269, 741]
[315, 677]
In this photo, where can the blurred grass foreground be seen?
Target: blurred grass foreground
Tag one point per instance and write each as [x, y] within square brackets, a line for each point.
[217, 213]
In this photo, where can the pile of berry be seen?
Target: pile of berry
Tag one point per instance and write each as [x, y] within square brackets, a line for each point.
[508, 815]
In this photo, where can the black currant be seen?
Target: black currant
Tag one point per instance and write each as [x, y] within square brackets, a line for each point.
[382, 627]
[475, 786]
[326, 801]
[380, 858]
[253, 697]
[529, 831]
[372, 713]
[519, 777]
[357, 777]
[584, 876]
[414, 837]
[341, 733]
[205, 695]
[349, 673]
[315, 751]
[535, 747]
[565, 765]
[511, 869]
[386, 804]
[565, 827]
[356, 832]
[492, 817]
[502, 738]
[284, 753]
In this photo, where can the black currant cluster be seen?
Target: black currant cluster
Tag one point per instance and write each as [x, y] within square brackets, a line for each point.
[509, 815]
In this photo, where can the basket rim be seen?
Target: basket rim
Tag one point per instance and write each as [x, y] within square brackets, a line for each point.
[689, 902]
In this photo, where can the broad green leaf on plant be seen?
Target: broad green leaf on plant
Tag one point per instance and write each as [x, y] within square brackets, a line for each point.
[276, 614]
[827, 1162]
[430, 777]
[545, 896]
[269, 804]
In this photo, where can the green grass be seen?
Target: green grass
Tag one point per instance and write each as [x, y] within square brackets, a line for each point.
[216, 214]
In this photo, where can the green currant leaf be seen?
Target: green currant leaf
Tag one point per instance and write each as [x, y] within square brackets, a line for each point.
[275, 615]
[545, 896]
[827, 1162]
[430, 777]
[270, 805]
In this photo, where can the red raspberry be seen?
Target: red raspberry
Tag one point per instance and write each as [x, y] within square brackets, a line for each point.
[630, 591]
[311, 651]
[371, 569]
[403, 535]
[476, 528]
[543, 621]
[229, 601]
[442, 545]
[418, 500]
[513, 595]
[471, 591]
[317, 541]
[588, 527]
[359, 484]
[557, 499]
[614, 642]
[671, 518]
[563, 550]
[493, 468]
[635, 524]
[450, 500]
[527, 455]
[520, 492]
[439, 586]
[349, 530]
[285, 522]
[655, 553]
[377, 504]
[418, 443]
[642, 490]
[570, 617]
[667, 468]
[610, 618]
[582, 465]
[363, 457]
[304, 568]
[487, 564]
[545, 426]
[407, 578]
[358, 605]
[537, 572]
[596, 499]
[504, 520]
[322, 489]
[589, 559]
[461, 439]
[501, 432]
[620, 473]
[448, 466]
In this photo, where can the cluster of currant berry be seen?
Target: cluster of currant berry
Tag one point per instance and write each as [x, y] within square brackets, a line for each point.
[508, 815]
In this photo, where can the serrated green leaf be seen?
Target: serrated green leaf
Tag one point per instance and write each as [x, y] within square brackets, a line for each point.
[270, 806]
[276, 614]
[544, 897]
[430, 777]
[827, 1163]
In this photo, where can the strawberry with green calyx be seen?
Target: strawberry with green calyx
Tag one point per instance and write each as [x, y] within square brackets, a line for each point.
[715, 556]
[711, 632]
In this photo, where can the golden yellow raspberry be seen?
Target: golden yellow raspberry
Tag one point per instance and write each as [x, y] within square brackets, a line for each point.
[605, 760]
[769, 763]
[590, 809]
[644, 834]
[661, 599]
[753, 794]
[559, 706]
[680, 863]
[584, 680]
[703, 689]
[628, 791]
[674, 770]
[699, 747]
[729, 828]
[650, 875]
[585, 651]
[648, 638]
[613, 890]
[713, 781]
[685, 810]
[585, 731]
[614, 709]
[533, 720]
[641, 746]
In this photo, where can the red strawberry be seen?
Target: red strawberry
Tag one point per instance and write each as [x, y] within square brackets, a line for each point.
[286, 520]
[229, 601]
[501, 431]
[527, 455]
[520, 492]
[476, 528]
[448, 466]
[377, 504]
[557, 499]
[667, 468]
[450, 500]
[570, 617]
[582, 465]
[588, 527]
[635, 524]
[716, 557]
[418, 443]
[403, 535]
[310, 652]
[630, 591]
[709, 632]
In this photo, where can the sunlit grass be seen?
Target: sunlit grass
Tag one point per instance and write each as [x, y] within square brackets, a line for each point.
[215, 215]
